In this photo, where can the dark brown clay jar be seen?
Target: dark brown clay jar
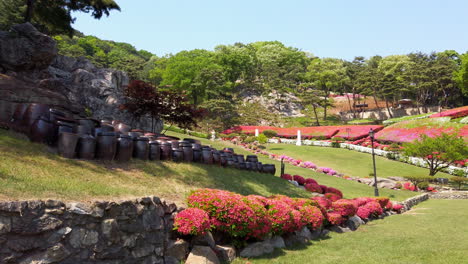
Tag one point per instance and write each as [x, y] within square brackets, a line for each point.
[207, 155]
[259, 167]
[17, 122]
[106, 146]
[252, 158]
[249, 166]
[141, 148]
[86, 148]
[240, 158]
[124, 148]
[166, 150]
[33, 112]
[223, 158]
[41, 130]
[241, 166]
[67, 144]
[269, 168]
[230, 163]
[177, 155]
[134, 134]
[174, 143]
[231, 150]
[154, 150]
[197, 155]
[82, 130]
[216, 157]
[196, 146]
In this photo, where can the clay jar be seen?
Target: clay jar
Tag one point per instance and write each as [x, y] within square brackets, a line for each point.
[222, 159]
[67, 144]
[216, 157]
[41, 130]
[106, 145]
[166, 150]
[186, 147]
[269, 168]
[124, 148]
[251, 158]
[207, 155]
[33, 112]
[18, 115]
[240, 158]
[86, 147]
[154, 150]
[141, 148]
[177, 155]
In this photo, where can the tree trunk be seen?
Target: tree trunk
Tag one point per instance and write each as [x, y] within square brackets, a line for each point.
[388, 108]
[29, 10]
[316, 116]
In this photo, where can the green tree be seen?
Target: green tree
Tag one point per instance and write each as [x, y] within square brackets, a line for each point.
[438, 152]
[52, 16]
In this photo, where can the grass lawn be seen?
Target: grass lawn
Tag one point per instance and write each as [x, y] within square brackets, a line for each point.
[350, 162]
[32, 171]
[435, 231]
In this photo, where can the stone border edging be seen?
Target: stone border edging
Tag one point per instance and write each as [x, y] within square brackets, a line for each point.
[410, 202]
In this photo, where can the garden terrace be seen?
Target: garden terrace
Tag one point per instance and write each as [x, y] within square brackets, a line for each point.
[418, 236]
[407, 131]
[29, 170]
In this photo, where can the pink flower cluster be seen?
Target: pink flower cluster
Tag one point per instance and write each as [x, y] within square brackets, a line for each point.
[453, 113]
[328, 171]
[192, 221]
[255, 216]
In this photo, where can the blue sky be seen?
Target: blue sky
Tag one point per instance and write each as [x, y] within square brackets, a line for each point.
[326, 28]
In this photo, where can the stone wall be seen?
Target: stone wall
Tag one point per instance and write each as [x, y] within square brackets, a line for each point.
[413, 201]
[383, 114]
[131, 231]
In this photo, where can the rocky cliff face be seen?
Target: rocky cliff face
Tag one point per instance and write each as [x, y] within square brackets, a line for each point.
[283, 104]
[32, 72]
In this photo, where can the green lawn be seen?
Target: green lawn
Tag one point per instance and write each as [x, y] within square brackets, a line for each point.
[433, 232]
[349, 162]
[32, 171]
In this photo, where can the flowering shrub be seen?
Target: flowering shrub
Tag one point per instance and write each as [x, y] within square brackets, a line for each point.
[344, 207]
[312, 187]
[310, 180]
[192, 221]
[335, 191]
[324, 188]
[311, 216]
[232, 213]
[389, 206]
[374, 208]
[283, 218]
[299, 179]
[322, 201]
[409, 186]
[397, 207]
[382, 201]
[408, 131]
[335, 218]
[363, 212]
[309, 165]
[356, 132]
[332, 197]
[328, 171]
[287, 177]
[453, 113]
[363, 200]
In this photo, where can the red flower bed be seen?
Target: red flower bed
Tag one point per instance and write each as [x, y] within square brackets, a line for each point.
[299, 179]
[310, 180]
[408, 131]
[287, 177]
[313, 187]
[332, 197]
[192, 221]
[335, 191]
[453, 113]
[344, 207]
[335, 218]
[311, 216]
[356, 132]
[322, 201]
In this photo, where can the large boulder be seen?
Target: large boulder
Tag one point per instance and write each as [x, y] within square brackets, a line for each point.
[384, 183]
[25, 48]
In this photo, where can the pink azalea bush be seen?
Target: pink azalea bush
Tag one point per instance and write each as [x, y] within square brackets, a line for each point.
[335, 218]
[299, 179]
[344, 207]
[192, 221]
[313, 187]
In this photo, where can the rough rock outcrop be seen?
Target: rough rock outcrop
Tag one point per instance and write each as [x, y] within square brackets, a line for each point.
[284, 104]
[25, 48]
[34, 73]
